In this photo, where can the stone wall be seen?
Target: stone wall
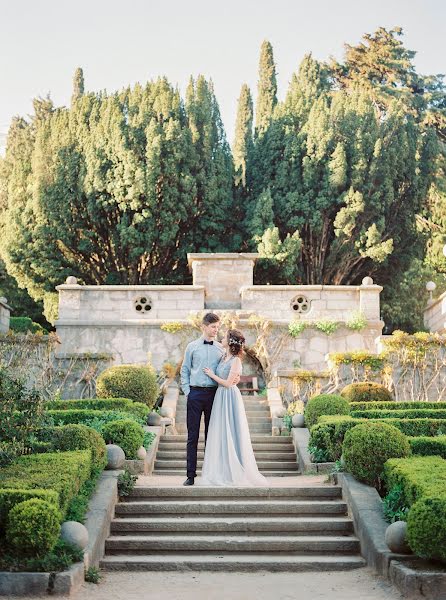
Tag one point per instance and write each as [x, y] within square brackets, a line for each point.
[5, 312]
[435, 315]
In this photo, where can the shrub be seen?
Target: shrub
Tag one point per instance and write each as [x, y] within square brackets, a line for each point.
[80, 437]
[10, 497]
[127, 434]
[428, 446]
[426, 528]
[63, 472]
[103, 404]
[33, 527]
[129, 381]
[368, 446]
[394, 506]
[325, 404]
[418, 476]
[126, 483]
[366, 391]
[418, 413]
[86, 416]
[396, 405]
[25, 324]
[329, 432]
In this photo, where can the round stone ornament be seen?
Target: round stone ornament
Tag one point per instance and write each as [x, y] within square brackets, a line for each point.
[115, 456]
[74, 533]
[141, 453]
[396, 539]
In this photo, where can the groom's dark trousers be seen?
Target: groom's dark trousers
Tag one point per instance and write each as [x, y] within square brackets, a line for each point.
[199, 401]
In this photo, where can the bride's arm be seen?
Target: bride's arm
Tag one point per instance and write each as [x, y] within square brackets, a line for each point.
[233, 377]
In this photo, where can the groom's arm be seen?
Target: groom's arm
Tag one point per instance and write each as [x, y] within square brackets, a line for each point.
[185, 371]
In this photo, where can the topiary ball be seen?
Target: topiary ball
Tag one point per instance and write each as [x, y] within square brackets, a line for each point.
[136, 382]
[127, 434]
[368, 446]
[426, 528]
[366, 391]
[32, 527]
[80, 437]
[325, 404]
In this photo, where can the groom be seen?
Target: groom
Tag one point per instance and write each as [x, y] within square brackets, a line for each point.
[198, 388]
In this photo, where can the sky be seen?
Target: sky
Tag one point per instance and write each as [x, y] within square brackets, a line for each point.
[121, 43]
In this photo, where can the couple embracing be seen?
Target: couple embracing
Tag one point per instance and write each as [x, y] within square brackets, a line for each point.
[209, 375]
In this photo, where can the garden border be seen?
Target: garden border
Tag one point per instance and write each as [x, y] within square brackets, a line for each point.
[301, 436]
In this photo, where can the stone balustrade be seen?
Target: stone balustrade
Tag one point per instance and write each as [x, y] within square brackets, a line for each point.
[435, 315]
[5, 312]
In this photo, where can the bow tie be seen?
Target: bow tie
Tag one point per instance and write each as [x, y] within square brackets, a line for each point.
[208, 342]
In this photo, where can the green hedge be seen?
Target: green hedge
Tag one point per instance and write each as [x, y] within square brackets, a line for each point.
[63, 472]
[10, 497]
[423, 483]
[33, 527]
[70, 417]
[418, 413]
[397, 405]
[366, 391]
[122, 404]
[25, 324]
[428, 446]
[329, 432]
[80, 437]
[129, 381]
[325, 404]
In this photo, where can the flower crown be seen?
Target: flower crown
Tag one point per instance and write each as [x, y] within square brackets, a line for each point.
[232, 341]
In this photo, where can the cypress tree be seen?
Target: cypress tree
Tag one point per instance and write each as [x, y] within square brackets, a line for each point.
[243, 135]
[266, 89]
[78, 85]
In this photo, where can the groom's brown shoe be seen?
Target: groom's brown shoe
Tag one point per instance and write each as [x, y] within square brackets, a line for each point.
[189, 481]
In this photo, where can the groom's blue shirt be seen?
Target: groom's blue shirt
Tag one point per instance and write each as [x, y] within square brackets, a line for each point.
[199, 355]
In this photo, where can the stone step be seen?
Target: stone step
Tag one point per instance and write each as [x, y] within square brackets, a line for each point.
[243, 507]
[169, 454]
[255, 439]
[252, 416]
[271, 449]
[200, 493]
[314, 544]
[233, 525]
[266, 465]
[234, 562]
[182, 472]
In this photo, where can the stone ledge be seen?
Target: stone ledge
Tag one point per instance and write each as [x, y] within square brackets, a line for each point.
[145, 467]
[42, 584]
[417, 578]
[301, 436]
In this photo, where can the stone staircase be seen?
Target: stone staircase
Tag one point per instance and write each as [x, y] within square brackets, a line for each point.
[232, 529]
[275, 456]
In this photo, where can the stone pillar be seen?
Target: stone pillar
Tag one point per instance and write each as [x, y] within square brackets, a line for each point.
[369, 299]
[222, 275]
[5, 312]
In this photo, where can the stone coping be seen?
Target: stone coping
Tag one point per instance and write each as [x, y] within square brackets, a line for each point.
[434, 302]
[301, 436]
[157, 322]
[196, 256]
[298, 288]
[128, 288]
[413, 576]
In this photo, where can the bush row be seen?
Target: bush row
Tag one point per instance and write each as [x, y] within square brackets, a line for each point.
[418, 413]
[329, 432]
[397, 405]
[103, 404]
[423, 483]
[428, 446]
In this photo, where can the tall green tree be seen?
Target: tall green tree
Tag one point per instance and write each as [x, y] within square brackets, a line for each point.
[266, 89]
[243, 140]
[78, 85]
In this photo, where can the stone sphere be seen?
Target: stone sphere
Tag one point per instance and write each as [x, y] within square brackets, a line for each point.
[74, 533]
[396, 537]
[141, 453]
[166, 411]
[153, 419]
[71, 280]
[367, 281]
[115, 456]
[298, 420]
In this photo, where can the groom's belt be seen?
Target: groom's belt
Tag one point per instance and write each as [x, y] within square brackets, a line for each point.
[200, 387]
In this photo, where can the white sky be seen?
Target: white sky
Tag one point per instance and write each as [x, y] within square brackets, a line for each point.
[119, 43]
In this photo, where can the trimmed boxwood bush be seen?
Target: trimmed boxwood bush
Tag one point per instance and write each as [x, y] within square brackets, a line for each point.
[129, 381]
[397, 405]
[127, 434]
[329, 432]
[80, 437]
[428, 446]
[325, 404]
[10, 497]
[418, 413]
[418, 476]
[368, 446]
[366, 391]
[33, 527]
[63, 472]
[25, 324]
[426, 528]
[69, 417]
[103, 404]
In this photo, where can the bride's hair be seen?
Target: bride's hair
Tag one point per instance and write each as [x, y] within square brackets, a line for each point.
[236, 342]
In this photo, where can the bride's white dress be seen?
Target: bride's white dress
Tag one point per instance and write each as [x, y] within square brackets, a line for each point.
[229, 458]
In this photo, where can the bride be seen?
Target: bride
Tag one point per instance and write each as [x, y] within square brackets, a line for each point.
[229, 458]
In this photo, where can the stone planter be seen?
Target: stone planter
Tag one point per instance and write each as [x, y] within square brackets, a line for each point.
[298, 420]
